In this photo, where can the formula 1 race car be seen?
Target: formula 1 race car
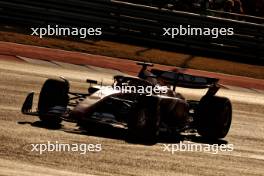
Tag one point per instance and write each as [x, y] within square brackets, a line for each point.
[151, 107]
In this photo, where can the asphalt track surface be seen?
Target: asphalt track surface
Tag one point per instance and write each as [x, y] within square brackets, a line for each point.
[14, 51]
[118, 157]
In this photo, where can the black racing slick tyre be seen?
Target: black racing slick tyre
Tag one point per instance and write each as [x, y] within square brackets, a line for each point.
[144, 120]
[54, 93]
[214, 117]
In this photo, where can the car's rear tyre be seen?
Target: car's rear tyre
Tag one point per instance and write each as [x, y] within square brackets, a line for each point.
[143, 121]
[54, 93]
[214, 117]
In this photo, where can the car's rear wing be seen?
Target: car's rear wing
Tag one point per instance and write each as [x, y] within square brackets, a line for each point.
[187, 81]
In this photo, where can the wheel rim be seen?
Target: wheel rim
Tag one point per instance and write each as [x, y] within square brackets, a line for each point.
[227, 118]
[142, 118]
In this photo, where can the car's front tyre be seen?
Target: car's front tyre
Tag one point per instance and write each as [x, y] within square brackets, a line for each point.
[53, 99]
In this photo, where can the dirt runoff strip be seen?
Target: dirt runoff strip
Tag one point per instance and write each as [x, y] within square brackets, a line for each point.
[10, 51]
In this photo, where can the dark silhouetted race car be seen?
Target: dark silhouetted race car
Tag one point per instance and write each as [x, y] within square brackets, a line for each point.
[144, 105]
